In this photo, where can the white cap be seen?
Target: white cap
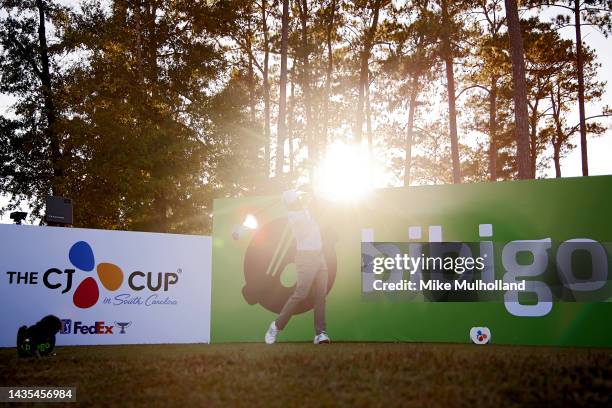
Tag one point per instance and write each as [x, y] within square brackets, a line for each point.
[290, 197]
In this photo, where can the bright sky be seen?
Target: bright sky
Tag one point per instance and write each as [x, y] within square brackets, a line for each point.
[599, 149]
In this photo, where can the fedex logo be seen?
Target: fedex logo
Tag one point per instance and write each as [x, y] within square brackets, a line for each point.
[96, 328]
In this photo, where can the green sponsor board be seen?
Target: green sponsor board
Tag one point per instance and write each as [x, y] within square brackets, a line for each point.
[253, 273]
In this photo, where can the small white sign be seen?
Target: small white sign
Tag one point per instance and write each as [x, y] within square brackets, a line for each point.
[480, 335]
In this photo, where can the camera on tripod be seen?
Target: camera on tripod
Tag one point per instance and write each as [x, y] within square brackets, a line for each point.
[18, 217]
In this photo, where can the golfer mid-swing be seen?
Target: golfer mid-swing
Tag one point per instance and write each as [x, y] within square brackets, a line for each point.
[311, 269]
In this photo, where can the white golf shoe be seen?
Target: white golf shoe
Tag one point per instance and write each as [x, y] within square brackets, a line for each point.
[271, 333]
[322, 338]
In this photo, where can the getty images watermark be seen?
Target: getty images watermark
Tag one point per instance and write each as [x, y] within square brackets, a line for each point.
[471, 271]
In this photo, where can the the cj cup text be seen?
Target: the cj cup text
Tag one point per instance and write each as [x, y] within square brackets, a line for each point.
[405, 262]
[55, 278]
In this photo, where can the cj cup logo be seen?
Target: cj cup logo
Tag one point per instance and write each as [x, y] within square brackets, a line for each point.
[480, 335]
[109, 275]
[270, 251]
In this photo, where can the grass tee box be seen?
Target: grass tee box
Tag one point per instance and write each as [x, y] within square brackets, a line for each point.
[254, 274]
[290, 374]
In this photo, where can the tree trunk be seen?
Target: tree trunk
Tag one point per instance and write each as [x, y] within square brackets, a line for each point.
[493, 130]
[363, 72]
[251, 79]
[251, 76]
[558, 137]
[254, 148]
[152, 46]
[310, 138]
[328, 72]
[160, 218]
[291, 124]
[580, 66]
[266, 88]
[410, 131]
[368, 117]
[533, 139]
[557, 159]
[281, 132]
[120, 13]
[139, 66]
[521, 131]
[450, 84]
[49, 105]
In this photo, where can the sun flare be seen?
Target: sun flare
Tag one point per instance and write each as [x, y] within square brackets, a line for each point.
[250, 222]
[345, 174]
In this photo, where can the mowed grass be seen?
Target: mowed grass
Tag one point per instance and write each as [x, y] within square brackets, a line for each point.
[340, 374]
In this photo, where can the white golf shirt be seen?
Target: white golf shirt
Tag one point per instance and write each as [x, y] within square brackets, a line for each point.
[305, 229]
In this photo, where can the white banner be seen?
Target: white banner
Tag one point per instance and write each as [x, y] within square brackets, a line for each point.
[108, 287]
